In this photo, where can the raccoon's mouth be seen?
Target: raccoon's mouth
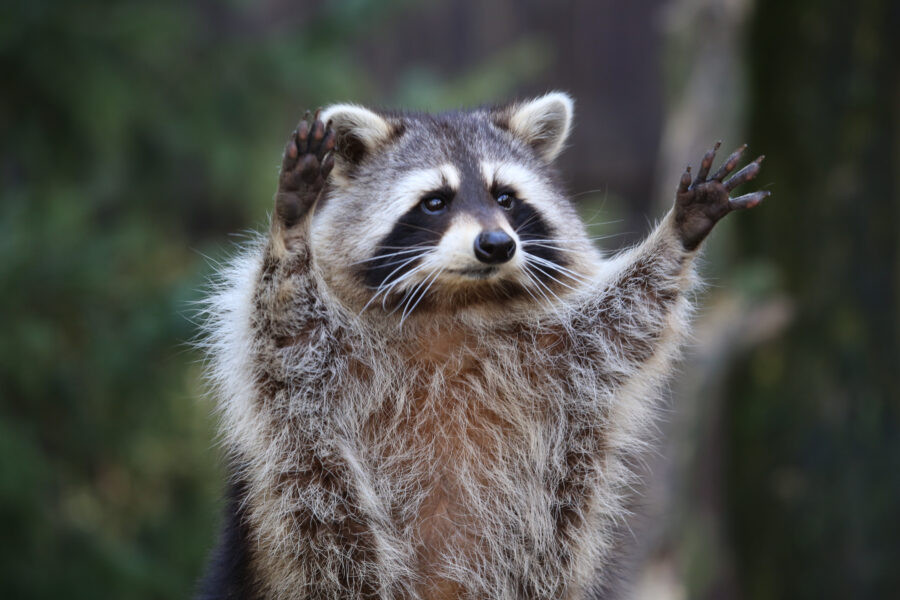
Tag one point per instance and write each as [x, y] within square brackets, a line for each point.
[476, 272]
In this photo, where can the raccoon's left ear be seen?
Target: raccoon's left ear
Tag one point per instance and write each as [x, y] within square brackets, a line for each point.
[358, 130]
[543, 123]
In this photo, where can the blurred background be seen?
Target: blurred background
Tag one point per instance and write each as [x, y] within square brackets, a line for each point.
[138, 140]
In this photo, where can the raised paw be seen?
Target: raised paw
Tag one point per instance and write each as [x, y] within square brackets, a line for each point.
[701, 203]
[308, 159]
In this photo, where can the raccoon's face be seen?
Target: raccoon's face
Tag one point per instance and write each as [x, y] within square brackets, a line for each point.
[428, 212]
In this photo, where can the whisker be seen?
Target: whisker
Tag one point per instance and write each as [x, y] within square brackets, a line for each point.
[375, 295]
[390, 285]
[533, 279]
[409, 295]
[425, 246]
[398, 261]
[533, 262]
[526, 222]
[527, 291]
[386, 285]
[592, 223]
[557, 267]
[422, 295]
[590, 238]
[405, 262]
[607, 236]
[553, 278]
[593, 216]
[411, 226]
[586, 192]
[551, 292]
[550, 304]
[399, 280]
[405, 299]
[389, 255]
[549, 247]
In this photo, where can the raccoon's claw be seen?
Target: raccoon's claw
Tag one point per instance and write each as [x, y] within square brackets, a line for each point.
[308, 160]
[701, 203]
[706, 163]
[746, 174]
[729, 164]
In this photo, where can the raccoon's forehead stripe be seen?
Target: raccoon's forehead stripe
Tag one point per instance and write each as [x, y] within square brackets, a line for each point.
[531, 186]
[411, 186]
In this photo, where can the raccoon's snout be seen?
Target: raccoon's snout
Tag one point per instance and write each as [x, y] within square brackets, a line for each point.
[494, 247]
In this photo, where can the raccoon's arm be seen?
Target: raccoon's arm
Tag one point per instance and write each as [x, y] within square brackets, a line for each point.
[640, 309]
[287, 297]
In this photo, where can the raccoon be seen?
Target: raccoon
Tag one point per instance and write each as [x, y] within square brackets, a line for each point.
[431, 384]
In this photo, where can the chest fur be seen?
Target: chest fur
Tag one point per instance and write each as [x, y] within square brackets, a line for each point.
[432, 469]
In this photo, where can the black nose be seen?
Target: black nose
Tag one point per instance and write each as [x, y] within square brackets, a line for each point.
[494, 247]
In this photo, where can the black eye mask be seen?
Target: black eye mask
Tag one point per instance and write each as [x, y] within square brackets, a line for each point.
[412, 235]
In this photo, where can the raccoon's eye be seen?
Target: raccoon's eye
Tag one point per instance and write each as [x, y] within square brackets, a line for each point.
[505, 200]
[434, 205]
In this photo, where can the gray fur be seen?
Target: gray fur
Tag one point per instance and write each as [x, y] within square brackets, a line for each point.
[481, 448]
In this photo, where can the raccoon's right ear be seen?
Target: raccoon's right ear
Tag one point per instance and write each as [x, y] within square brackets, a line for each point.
[358, 131]
[542, 123]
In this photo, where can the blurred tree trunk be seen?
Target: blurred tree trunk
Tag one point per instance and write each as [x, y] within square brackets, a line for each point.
[813, 427]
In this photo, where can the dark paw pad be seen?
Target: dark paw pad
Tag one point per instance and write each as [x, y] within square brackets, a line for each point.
[308, 159]
[701, 203]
